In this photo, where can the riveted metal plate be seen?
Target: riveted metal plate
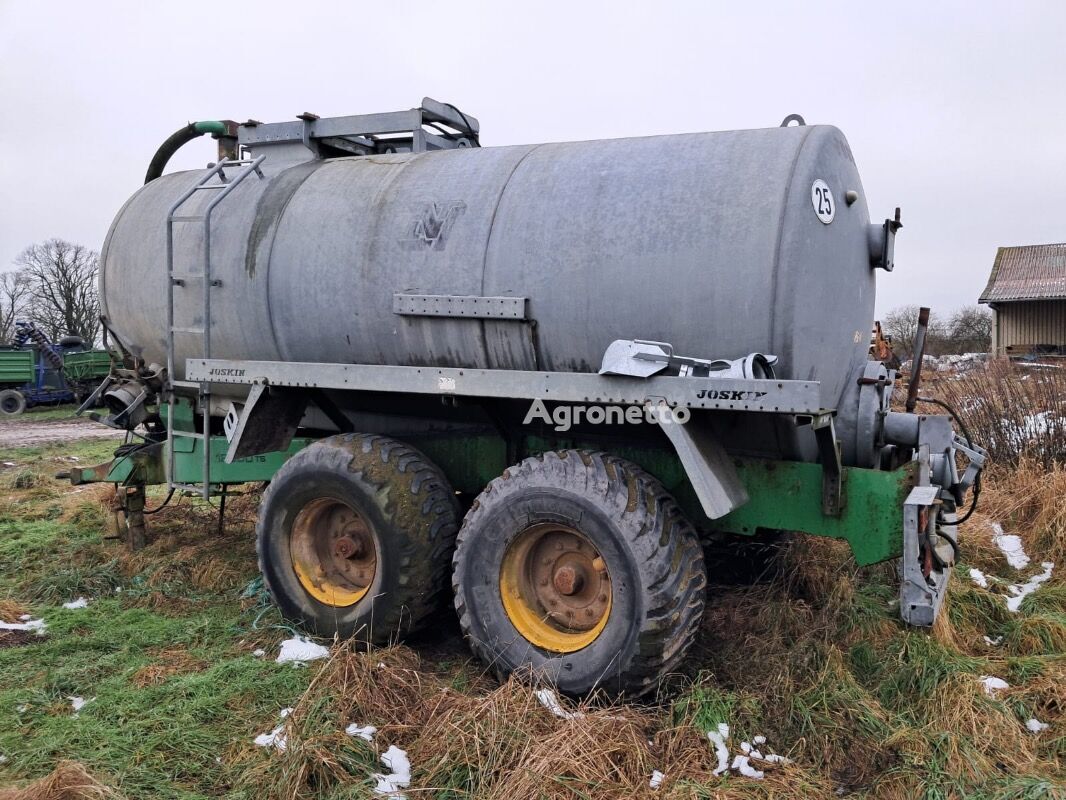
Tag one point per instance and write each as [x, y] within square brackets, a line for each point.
[447, 305]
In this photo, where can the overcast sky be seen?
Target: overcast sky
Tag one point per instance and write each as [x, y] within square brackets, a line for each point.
[954, 112]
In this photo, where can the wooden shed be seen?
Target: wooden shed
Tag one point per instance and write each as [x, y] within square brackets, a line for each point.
[1027, 294]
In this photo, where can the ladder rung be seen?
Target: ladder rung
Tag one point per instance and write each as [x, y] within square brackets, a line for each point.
[186, 384]
[188, 434]
[212, 186]
[187, 330]
[196, 218]
[187, 276]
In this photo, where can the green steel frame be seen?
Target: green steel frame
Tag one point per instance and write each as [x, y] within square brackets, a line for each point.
[784, 495]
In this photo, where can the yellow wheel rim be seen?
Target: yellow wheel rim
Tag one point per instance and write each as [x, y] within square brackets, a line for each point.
[555, 588]
[333, 551]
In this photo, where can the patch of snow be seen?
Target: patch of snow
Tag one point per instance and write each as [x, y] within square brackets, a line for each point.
[1011, 546]
[740, 763]
[38, 626]
[277, 738]
[3, 758]
[300, 650]
[774, 758]
[656, 779]
[1035, 726]
[81, 602]
[24, 617]
[22, 709]
[118, 590]
[550, 700]
[721, 751]
[978, 577]
[399, 777]
[1021, 591]
[363, 732]
[993, 642]
[78, 703]
[259, 652]
[993, 684]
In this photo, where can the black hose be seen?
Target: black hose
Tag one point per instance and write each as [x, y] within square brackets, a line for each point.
[168, 148]
[969, 443]
[220, 129]
[162, 505]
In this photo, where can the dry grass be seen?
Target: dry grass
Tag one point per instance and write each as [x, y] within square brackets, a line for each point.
[68, 781]
[1029, 498]
[494, 742]
[167, 663]
[10, 609]
[1015, 413]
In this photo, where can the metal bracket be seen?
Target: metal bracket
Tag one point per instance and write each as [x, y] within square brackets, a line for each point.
[920, 596]
[833, 497]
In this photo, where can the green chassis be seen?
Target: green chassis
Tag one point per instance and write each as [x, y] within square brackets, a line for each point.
[784, 495]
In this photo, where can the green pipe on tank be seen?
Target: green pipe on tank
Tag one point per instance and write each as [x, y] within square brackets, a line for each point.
[211, 126]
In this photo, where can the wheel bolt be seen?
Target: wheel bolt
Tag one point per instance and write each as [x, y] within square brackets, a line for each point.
[589, 612]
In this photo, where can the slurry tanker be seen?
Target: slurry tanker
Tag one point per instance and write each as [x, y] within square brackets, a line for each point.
[533, 381]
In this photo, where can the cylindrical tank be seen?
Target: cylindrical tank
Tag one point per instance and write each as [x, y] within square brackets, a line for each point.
[710, 241]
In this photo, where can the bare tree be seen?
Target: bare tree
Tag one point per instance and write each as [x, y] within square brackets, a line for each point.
[971, 330]
[62, 276]
[902, 324]
[14, 299]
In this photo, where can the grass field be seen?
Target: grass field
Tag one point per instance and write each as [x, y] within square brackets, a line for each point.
[802, 648]
[43, 414]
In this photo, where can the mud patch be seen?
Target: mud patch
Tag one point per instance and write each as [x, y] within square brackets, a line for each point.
[18, 638]
[30, 434]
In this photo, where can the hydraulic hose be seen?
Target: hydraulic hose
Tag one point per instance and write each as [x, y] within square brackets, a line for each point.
[220, 129]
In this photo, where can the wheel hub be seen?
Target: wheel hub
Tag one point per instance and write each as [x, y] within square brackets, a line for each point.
[333, 551]
[556, 588]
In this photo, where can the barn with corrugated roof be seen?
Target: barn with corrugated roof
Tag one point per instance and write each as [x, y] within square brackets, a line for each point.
[1027, 294]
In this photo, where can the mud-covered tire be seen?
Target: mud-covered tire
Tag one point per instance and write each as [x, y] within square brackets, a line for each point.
[411, 510]
[652, 554]
[12, 403]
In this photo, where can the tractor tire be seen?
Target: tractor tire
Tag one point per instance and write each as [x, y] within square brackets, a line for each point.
[12, 403]
[354, 537]
[579, 569]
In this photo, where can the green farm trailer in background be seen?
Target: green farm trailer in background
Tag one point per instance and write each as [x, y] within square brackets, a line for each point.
[49, 374]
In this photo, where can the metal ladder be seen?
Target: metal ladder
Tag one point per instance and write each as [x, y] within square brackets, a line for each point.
[179, 279]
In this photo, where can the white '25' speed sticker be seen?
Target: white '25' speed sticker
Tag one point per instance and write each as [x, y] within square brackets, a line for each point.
[822, 200]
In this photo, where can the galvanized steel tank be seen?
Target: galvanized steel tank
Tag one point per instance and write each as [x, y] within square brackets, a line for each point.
[709, 241]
